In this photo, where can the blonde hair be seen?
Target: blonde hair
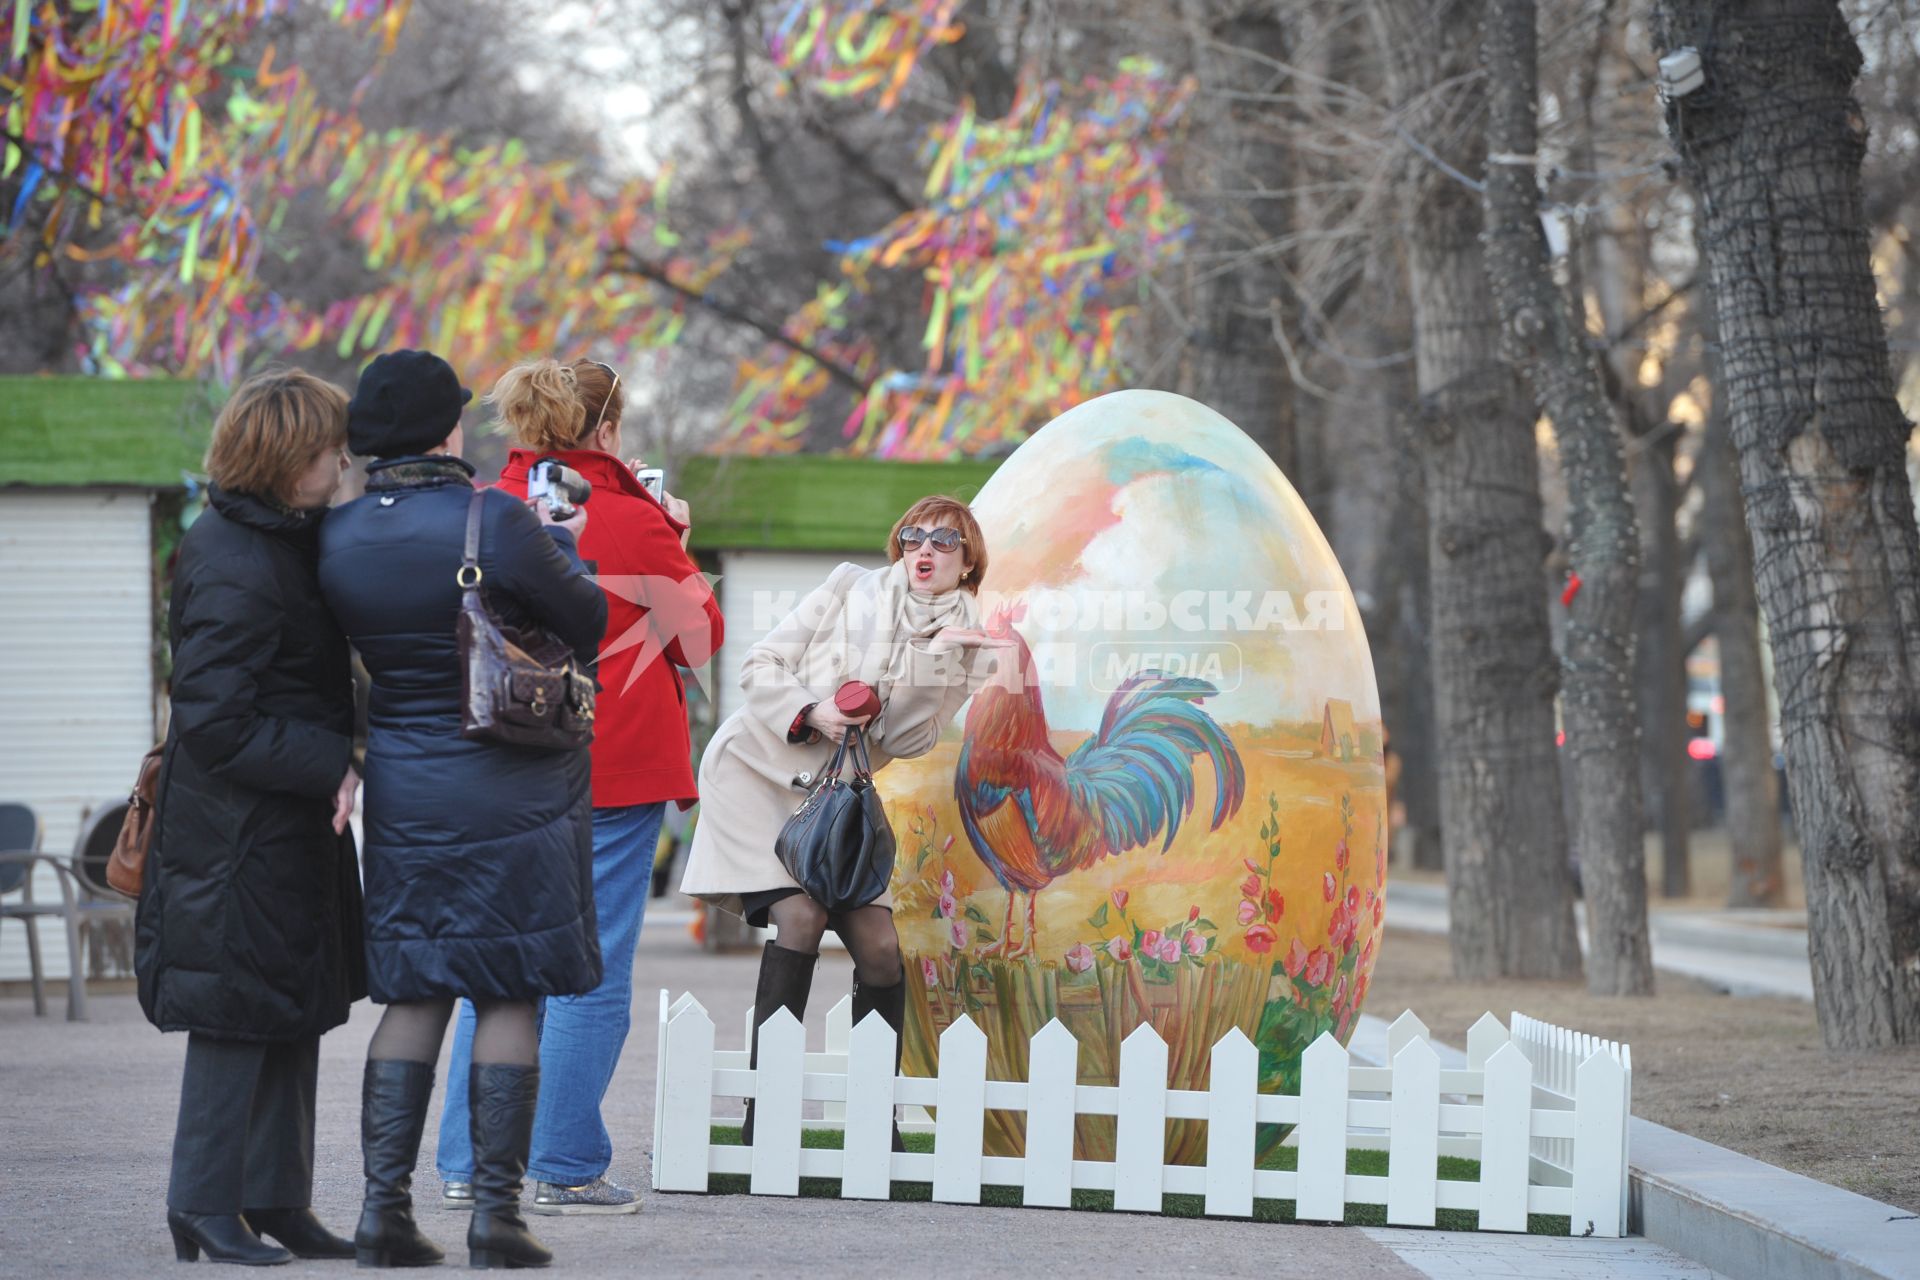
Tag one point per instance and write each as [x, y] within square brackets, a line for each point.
[539, 404]
[600, 394]
[273, 427]
[932, 512]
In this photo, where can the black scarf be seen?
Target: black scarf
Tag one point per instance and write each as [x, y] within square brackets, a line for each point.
[428, 471]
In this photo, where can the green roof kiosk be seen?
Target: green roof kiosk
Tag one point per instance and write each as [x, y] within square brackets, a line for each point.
[92, 478]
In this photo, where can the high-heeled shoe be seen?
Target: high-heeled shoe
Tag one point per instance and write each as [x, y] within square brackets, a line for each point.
[300, 1231]
[224, 1236]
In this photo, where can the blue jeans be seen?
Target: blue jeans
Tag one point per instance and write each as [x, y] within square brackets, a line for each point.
[580, 1036]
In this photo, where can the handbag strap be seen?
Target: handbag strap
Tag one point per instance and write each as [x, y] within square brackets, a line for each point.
[834, 764]
[862, 767]
[469, 575]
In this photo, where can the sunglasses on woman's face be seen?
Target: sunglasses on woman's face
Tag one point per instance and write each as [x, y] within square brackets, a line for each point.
[945, 539]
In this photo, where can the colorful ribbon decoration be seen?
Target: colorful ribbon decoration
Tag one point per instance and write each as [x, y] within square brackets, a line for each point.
[1035, 241]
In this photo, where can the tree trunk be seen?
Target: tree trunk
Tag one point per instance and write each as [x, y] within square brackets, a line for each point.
[1597, 706]
[1746, 738]
[1509, 888]
[1772, 144]
[1235, 366]
[1660, 662]
[1377, 523]
[1416, 736]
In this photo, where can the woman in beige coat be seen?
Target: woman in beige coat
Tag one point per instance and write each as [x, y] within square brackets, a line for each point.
[910, 630]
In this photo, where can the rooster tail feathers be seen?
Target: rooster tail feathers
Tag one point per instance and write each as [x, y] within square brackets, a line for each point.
[1136, 774]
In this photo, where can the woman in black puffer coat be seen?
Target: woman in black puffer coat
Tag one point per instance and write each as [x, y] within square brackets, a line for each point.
[479, 856]
[248, 933]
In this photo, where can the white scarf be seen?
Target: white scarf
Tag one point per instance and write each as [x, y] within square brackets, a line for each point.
[880, 615]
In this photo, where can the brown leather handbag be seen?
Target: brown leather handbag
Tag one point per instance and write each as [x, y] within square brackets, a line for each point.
[521, 688]
[127, 864]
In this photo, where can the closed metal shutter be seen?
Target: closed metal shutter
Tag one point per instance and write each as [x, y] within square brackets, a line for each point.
[76, 670]
[757, 590]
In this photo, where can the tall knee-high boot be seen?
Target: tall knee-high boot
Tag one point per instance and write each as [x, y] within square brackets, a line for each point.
[393, 1113]
[891, 1004]
[502, 1103]
[785, 979]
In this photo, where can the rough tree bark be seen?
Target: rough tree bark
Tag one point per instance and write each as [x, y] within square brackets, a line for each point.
[1597, 702]
[1747, 775]
[1234, 365]
[1618, 280]
[1772, 144]
[1509, 889]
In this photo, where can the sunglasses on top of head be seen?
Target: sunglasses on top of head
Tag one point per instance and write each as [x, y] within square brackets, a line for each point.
[945, 539]
[607, 403]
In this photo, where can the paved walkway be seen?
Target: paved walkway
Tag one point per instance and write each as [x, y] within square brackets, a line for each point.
[86, 1119]
[1742, 952]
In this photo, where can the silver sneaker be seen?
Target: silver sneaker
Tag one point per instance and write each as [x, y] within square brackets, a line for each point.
[456, 1195]
[598, 1196]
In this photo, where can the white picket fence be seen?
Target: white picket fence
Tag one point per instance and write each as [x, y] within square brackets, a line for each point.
[1543, 1109]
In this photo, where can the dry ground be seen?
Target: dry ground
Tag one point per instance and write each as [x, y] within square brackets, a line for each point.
[1710, 867]
[1749, 1073]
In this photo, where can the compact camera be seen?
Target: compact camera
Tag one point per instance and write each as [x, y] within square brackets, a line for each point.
[563, 487]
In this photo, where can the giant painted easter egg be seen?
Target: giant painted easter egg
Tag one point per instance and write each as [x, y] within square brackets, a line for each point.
[1169, 804]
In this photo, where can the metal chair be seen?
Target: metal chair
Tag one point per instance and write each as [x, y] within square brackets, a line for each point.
[19, 854]
[99, 902]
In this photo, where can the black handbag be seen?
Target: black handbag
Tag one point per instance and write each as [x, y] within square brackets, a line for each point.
[838, 845]
[521, 688]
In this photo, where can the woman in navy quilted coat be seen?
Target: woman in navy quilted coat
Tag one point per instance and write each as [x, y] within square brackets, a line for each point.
[478, 856]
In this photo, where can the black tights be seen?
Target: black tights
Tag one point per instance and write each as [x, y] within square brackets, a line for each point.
[867, 931]
[505, 1032]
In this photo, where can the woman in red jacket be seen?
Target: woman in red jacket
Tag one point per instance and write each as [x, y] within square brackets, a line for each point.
[661, 616]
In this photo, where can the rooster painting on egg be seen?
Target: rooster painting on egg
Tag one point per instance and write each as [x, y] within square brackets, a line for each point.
[1138, 817]
[1033, 815]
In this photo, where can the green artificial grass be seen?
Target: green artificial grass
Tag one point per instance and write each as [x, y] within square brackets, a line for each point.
[101, 431]
[1373, 1163]
[813, 502]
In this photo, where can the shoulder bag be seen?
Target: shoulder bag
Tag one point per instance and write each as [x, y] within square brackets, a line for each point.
[127, 864]
[525, 689]
[838, 845]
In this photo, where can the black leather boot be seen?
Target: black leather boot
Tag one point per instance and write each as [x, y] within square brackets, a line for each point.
[300, 1231]
[393, 1112]
[785, 979]
[500, 1106]
[891, 1004]
[226, 1238]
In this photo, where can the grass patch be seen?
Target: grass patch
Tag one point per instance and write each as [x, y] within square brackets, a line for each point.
[1174, 1206]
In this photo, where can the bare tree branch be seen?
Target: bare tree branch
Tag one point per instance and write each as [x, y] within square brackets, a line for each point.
[628, 262]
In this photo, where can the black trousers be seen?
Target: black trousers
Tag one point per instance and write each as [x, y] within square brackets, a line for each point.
[245, 1135]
